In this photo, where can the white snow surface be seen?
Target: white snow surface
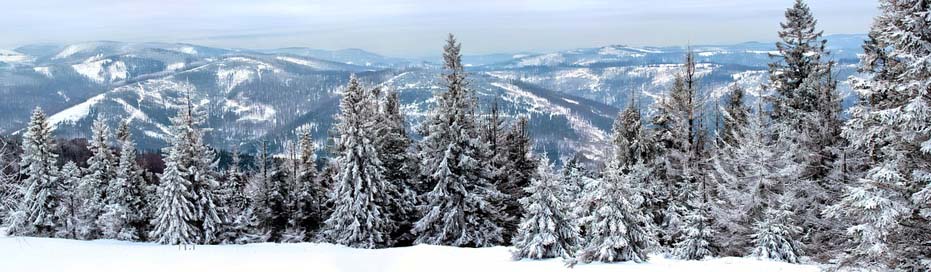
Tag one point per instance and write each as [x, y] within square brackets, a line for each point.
[76, 112]
[47, 254]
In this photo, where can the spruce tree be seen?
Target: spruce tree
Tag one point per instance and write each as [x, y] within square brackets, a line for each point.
[616, 229]
[887, 208]
[124, 215]
[394, 151]
[774, 235]
[517, 170]
[807, 105]
[677, 137]
[70, 204]
[547, 229]
[311, 194]
[268, 198]
[360, 215]
[459, 209]
[752, 171]
[94, 188]
[187, 210]
[35, 213]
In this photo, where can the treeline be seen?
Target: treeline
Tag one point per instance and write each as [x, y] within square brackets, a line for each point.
[784, 178]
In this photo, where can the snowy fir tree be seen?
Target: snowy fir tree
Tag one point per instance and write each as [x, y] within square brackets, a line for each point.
[93, 190]
[774, 236]
[70, 204]
[677, 135]
[698, 235]
[187, 212]
[268, 192]
[617, 228]
[807, 104]
[547, 229]
[310, 193]
[394, 151]
[458, 209]
[752, 171]
[242, 226]
[516, 172]
[887, 209]
[360, 216]
[35, 213]
[124, 216]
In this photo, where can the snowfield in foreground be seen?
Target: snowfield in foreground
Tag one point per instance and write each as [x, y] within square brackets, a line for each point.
[45, 254]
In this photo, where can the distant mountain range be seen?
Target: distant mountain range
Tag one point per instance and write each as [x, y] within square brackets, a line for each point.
[570, 96]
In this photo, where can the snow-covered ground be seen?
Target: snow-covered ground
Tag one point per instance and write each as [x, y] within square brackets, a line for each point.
[44, 254]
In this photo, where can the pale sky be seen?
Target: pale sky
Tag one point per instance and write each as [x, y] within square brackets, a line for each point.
[416, 28]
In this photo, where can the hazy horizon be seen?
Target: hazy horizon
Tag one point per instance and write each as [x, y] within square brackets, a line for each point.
[416, 28]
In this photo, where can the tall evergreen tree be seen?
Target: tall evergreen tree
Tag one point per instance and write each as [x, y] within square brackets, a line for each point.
[752, 172]
[547, 229]
[94, 188]
[806, 104]
[124, 215]
[35, 213]
[394, 151]
[70, 204]
[458, 210]
[268, 198]
[311, 194]
[888, 207]
[616, 229]
[516, 173]
[774, 235]
[187, 208]
[360, 217]
[678, 136]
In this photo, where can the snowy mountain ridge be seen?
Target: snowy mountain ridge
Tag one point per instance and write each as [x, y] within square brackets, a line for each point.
[571, 96]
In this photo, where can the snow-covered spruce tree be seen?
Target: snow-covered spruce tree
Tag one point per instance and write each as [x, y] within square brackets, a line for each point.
[888, 208]
[175, 211]
[547, 229]
[677, 137]
[698, 237]
[187, 211]
[517, 170]
[124, 215]
[93, 190]
[458, 210]
[360, 216]
[309, 192]
[617, 229]
[35, 212]
[268, 198]
[242, 225]
[69, 204]
[394, 151]
[774, 236]
[751, 172]
[806, 102]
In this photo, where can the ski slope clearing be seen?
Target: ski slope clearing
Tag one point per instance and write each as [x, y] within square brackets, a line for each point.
[46, 254]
